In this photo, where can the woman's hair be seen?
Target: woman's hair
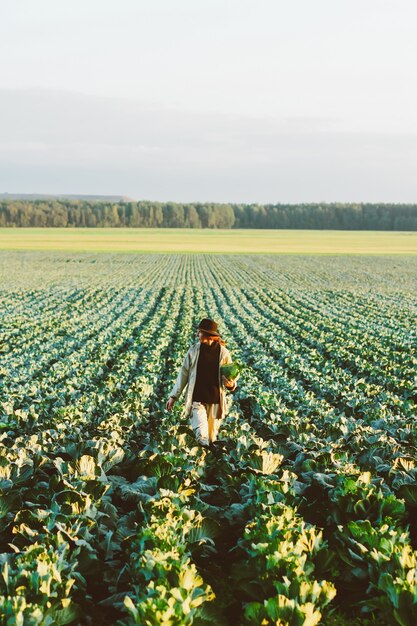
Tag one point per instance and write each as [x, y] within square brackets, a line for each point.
[213, 337]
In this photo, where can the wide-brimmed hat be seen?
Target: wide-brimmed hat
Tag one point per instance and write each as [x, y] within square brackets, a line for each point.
[209, 327]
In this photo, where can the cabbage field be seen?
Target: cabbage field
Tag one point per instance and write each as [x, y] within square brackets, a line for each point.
[304, 513]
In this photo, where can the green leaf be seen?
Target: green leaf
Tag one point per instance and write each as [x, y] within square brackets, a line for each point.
[6, 505]
[61, 617]
[265, 462]
[159, 467]
[409, 494]
[204, 531]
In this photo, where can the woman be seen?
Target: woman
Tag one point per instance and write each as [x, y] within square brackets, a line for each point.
[205, 398]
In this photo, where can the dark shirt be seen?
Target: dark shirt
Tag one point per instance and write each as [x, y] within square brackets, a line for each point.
[206, 388]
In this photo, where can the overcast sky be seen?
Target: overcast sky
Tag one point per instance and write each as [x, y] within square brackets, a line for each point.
[210, 100]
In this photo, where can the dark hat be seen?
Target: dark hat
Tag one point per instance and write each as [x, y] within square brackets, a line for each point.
[209, 327]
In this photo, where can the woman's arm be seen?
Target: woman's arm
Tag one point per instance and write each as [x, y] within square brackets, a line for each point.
[182, 378]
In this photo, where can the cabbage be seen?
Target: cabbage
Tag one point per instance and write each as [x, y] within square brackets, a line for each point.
[231, 370]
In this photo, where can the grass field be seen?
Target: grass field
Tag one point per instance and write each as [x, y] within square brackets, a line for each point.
[215, 241]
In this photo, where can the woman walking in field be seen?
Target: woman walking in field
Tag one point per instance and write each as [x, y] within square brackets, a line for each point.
[205, 398]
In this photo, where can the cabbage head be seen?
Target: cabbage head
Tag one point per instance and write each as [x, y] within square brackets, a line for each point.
[231, 370]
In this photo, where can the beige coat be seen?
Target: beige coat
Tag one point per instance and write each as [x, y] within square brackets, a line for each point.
[188, 374]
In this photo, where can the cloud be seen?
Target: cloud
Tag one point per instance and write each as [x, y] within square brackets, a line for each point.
[52, 141]
[56, 117]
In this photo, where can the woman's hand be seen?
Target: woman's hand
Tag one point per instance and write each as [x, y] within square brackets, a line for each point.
[170, 403]
[229, 384]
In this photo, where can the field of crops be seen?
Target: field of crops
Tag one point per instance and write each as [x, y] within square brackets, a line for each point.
[304, 514]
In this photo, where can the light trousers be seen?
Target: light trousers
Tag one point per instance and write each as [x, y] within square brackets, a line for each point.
[204, 422]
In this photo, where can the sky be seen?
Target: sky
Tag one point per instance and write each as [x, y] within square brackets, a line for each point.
[210, 100]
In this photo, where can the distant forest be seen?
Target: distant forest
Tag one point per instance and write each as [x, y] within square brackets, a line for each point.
[146, 214]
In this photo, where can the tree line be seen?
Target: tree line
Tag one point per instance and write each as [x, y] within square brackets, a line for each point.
[147, 214]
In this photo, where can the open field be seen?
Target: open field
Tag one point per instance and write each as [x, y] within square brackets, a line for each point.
[306, 511]
[208, 241]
